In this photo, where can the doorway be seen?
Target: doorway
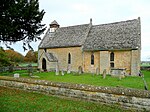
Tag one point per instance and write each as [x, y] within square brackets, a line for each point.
[44, 64]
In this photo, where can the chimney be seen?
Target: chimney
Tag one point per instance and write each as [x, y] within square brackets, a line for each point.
[91, 21]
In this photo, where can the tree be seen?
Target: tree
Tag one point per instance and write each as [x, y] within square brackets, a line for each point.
[14, 56]
[31, 56]
[20, 20]
[4, 60]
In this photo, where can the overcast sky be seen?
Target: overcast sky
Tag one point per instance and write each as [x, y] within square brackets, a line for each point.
[74, 12]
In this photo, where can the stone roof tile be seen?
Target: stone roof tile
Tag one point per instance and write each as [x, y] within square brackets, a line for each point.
[119, 35]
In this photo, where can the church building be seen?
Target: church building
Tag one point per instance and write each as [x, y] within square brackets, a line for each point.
[92, 48]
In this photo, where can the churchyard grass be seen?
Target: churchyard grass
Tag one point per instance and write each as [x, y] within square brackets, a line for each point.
[89, 79]
[13, 100]
[26, 64]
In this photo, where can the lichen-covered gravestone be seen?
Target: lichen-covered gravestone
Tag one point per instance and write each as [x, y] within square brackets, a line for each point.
[104, 74]
[97, 71]
[30, 70]
[68, 69]
[57, 70]
[11, 68]
[62, 72]
[16, 75]
[80, 71]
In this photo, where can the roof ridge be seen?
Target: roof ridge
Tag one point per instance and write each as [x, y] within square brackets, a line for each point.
[73, 26]
[116, 22]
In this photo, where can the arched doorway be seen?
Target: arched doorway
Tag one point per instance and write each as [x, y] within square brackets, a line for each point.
[44, 64]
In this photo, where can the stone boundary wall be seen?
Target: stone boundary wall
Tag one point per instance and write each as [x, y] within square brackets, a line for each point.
[128, 98]
[4, 69]
[145, 68]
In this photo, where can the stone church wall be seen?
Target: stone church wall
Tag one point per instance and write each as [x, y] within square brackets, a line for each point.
[87, 62]
[104, 61]
[62, 56]
[124, 97]
[128, 60]
[123, 60]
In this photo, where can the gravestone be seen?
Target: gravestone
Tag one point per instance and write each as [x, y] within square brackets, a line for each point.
[57, 70]
[62, 72]
[16, 75]
[11, 68]
[30, 70]
[92, 70]
[97, 71]
[80, 71]
[118, 72]
[68, 69]
[104, 74]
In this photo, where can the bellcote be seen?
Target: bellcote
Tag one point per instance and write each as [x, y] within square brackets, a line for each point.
[53, 26]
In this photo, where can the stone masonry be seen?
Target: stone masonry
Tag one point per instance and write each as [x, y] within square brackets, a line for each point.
[128, 98]
[121, 38]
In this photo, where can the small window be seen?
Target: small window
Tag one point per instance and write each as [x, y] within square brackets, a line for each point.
[111, 56]
[69, 58]
[112, 65]
[92, 59]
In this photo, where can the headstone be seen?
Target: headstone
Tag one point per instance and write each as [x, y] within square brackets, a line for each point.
[97, 71]
[68, 69]
[62, 72]
[120, 77]
[80, 71]
[57, 69]
[92, 70]
[11, 68]
[68, 72]
[30, 70]
[104, 74]
[16, 75]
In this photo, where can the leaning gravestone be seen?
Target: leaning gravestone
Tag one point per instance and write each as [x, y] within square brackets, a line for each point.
[104, 74]
[16, 75]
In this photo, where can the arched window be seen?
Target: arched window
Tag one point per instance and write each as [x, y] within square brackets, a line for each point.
[111, 56]
[69, 58]
[112, 65]
[92, 59]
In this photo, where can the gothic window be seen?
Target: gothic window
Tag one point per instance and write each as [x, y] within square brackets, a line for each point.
[92, 59]
[69, 58]
[111, 56]
[112, 65]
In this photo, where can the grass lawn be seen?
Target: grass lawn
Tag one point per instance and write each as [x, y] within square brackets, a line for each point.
[12, 100]
[129, 82]
[26, 64]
